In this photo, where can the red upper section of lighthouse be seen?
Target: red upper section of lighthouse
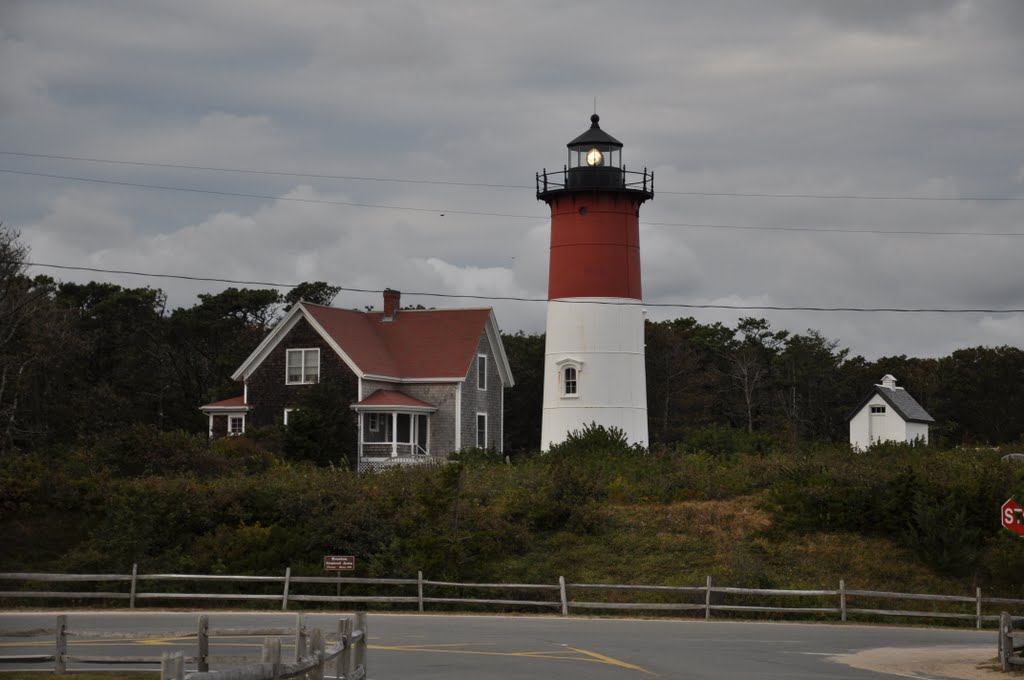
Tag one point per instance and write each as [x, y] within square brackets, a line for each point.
[595, 220]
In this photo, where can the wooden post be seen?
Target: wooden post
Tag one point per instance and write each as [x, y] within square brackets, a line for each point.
[1005, 641]
[287, 583]
[707, 600]
[135, 577]
[61, 650]
[565, 599]
[300, 636]
[360, 655]
[203, 644]
[316, 649]
[172, 666]
[842, 600]
[272, 655]
[419, 588]
[977, 608]
[344, 669]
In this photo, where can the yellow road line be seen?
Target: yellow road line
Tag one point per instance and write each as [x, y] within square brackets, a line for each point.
[613, 662]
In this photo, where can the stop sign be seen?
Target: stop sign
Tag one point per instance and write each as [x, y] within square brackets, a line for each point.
[1011, 517]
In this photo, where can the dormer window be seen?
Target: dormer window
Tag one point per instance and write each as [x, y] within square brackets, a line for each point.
[303, 366]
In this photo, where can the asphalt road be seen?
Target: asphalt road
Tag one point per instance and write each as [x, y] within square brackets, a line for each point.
[439, 647]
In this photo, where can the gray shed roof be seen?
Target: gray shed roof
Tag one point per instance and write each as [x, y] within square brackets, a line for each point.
[901, 401]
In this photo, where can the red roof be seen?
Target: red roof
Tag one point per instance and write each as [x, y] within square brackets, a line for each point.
[434, 343]
[393, 398]
[233, 402]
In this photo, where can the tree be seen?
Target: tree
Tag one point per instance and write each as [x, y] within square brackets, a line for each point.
[317, 292]
[751, 360]
[322, 429]
[33, 338]
[523, 403]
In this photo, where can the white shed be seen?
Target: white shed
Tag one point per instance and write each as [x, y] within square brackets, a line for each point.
[888, 413]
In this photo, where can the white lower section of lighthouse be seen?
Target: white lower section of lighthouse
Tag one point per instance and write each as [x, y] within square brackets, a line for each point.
[599, 342]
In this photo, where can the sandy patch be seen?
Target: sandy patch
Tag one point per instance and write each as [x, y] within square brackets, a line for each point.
[963, 663]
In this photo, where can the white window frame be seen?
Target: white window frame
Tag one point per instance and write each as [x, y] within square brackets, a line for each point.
[373, 422]
[877, 409]
[563, 366]
[302, 366]
[231, 417]
[481, 371]
[481, 432]
[286, 412]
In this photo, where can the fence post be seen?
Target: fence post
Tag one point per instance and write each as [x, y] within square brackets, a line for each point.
[172, 666]
[707, 600]
[272, 655]
[203, 644]
[300, 636]
[842, 600]
[317, 649]
[565, 599]
[1005, 641]
[59, 664]
[419, 588]
[978, 607]
[287, 583]
[360, 655]
[135, 577]
[344, 669]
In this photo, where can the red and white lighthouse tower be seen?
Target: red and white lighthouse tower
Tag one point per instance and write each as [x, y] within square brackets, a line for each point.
[594, 353]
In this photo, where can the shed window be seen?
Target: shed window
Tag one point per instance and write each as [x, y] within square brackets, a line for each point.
[878, 409]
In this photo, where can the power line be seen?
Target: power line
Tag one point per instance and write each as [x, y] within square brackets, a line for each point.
[498, 298]
[351, 204]
[480, 213]
[360, 178]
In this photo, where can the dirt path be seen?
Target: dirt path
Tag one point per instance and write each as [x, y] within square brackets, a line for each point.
[962, 663]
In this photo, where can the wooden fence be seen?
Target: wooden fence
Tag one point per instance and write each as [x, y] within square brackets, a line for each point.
[562, 597]
[1011, 652]
[311, 651]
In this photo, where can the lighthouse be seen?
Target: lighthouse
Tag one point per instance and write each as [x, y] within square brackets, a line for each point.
[594, 352]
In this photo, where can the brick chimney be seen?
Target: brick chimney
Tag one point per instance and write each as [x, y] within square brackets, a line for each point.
[392, 299]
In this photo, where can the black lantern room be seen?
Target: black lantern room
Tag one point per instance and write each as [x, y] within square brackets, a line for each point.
[595, 162]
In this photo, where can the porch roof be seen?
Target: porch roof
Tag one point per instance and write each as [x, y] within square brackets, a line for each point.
[392, 400]
[232, 404]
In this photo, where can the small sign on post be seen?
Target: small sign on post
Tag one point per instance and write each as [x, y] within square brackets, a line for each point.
[339, 562]
[1013, 517]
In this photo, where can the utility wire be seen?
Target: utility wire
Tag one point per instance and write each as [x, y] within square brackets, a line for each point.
[281, 173]
[479, 213]
[498, 298]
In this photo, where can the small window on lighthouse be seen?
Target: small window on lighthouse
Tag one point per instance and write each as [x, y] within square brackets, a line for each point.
[569, 381]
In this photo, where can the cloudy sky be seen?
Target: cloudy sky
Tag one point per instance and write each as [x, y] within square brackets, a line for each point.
[395, 144]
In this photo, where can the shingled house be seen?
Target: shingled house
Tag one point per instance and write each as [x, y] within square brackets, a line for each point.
[423, 383]
[888, 413]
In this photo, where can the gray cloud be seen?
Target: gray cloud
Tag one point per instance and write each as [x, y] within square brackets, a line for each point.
[794, 97]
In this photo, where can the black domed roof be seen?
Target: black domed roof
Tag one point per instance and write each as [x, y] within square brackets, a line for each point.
[595, 136]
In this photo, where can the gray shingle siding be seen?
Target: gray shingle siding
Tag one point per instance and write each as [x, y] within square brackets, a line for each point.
[475, 400]
[442, 421]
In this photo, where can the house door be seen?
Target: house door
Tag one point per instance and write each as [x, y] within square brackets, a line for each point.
[876, 425]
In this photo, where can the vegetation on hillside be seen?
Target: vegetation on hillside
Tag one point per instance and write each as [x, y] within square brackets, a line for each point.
[594, 509]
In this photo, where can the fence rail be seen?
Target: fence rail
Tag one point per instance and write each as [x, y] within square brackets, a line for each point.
[311, 651]
[563, 597]
[1011, 641]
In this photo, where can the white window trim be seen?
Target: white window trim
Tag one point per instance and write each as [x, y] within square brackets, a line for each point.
[302, 380]
[286, 412]
[373, 422]
[478, 445]
[481, 375]
[232, 416]
[880, 409]
[575, 365]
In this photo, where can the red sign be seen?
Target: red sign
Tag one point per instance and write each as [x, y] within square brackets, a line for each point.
[339, 562]
[1012, 517]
